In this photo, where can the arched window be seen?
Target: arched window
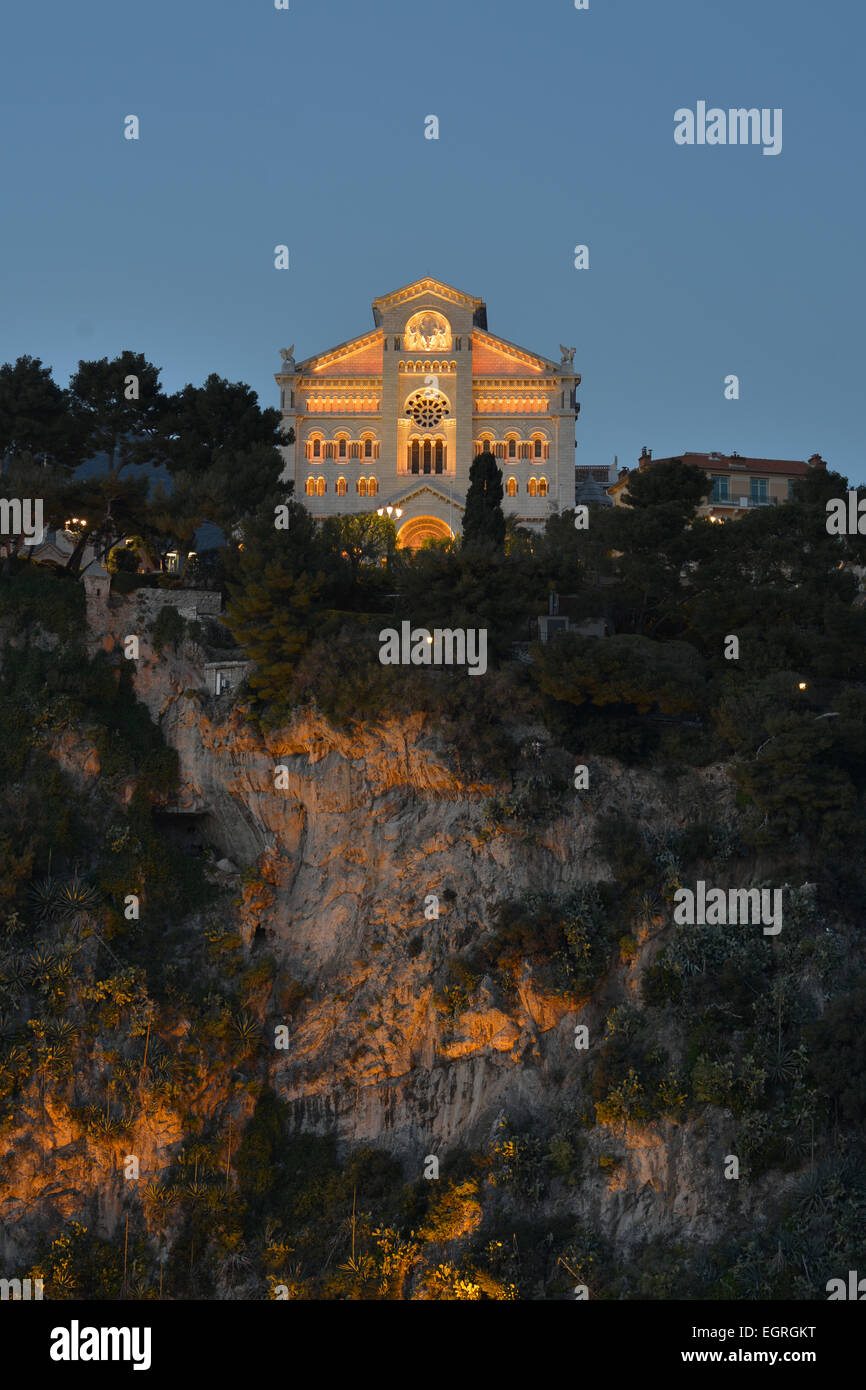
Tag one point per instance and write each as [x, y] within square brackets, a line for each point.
[341, 487]
[512, 449]
[414, 456]
[368, 448]
[372, 487]
[317, 448]
[537, 448]
[439, 462]
[427, 451]
[362, 487]
[511, 487]
[531, 487]
[311, 487]
[321, 487]
[342, 449]
[542, 487]
[427, 331]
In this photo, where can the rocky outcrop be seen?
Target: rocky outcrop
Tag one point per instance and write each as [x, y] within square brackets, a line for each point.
[347, 840]
[366, 865]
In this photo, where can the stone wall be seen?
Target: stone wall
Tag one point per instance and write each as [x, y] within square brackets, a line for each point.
[190, 603]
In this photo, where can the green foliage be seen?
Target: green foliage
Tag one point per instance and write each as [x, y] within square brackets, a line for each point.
[624, 844]
[626, 670]
[167, 628]
[114, 423]
[837, 1043]
[41, 597]
[519, 1161]
[631, 1080]
[483, 519]
[122, 559]
[807, 781]
[78, 1264]
[359, 538]
[567, 938]
[35, 420]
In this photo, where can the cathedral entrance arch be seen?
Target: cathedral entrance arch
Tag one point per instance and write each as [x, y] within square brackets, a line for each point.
[418, 529]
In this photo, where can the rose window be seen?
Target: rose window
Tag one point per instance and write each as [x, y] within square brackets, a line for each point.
[427, 408]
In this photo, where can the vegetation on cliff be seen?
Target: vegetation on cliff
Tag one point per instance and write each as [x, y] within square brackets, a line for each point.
[129, 1003]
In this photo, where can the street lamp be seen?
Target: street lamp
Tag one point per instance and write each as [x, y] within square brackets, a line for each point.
[392, 511]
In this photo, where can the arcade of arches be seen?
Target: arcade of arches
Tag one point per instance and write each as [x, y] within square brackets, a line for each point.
[418, 529]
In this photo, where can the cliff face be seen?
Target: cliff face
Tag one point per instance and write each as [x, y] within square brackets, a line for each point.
[344, 839]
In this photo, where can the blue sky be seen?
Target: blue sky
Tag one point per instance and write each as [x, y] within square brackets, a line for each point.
[306, 127]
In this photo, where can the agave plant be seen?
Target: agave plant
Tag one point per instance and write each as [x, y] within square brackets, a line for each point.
[246, 1031]
[159, 1200]
[783, 1063]
[62, 1031]
[812, 1194]
[41, 966]
[63, 1284]
[106, 1126]
[44, 896]
[15, 975]
[76, 898]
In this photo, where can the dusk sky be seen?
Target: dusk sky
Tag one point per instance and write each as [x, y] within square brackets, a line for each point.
[306, 127]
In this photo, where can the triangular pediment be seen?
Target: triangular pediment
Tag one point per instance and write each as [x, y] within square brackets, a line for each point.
[357, 357]
[420, 492]
[424, 288]
[497, 357]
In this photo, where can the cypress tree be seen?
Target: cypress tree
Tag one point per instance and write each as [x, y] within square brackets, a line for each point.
[483, 519]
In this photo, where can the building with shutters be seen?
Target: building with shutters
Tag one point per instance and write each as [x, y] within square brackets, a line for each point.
[736, 484]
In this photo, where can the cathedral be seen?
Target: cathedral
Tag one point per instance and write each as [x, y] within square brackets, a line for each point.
[390, 421]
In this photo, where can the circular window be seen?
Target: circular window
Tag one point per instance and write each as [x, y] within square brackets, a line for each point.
[427, 408]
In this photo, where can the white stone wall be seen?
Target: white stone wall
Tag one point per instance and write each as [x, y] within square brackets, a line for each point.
[461, 428]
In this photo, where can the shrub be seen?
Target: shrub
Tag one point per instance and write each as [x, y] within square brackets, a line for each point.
[567, 938]
[625, 1101]
[624, 846]
[167, 628]
[838, 1053]
[454, 1211]
[46, 598]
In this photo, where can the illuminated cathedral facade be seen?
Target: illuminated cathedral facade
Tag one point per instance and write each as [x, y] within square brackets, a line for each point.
[393, 419]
